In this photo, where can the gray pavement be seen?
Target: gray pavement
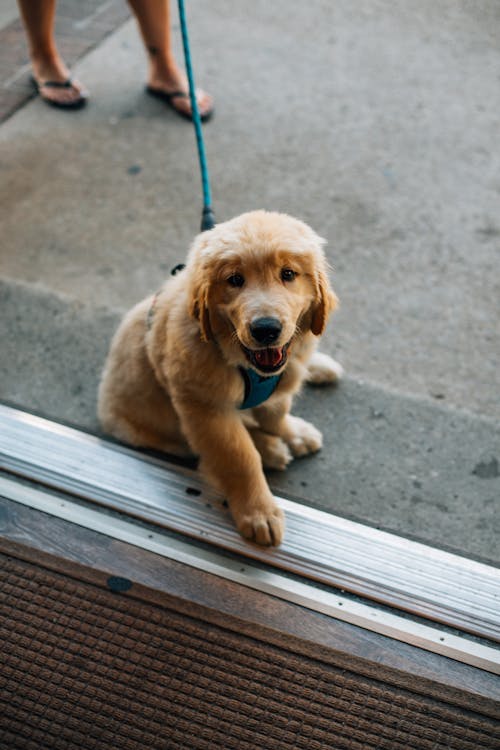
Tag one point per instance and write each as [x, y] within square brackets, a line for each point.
[375, 122]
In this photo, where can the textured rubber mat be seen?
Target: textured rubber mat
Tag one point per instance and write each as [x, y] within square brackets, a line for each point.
[86, 667]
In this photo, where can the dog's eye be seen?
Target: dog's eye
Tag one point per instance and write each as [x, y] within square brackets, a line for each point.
[287, 274]
[236, 279]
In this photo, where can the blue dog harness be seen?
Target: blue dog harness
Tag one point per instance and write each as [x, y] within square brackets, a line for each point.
[258, 388]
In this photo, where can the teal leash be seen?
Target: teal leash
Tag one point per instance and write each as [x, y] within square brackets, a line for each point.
[257, 388]
[207, 218]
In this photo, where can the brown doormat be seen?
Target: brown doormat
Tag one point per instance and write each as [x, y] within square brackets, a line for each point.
[85, 666]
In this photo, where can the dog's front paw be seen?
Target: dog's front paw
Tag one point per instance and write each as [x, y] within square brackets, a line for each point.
[302, 437]
[274, 452]
[265, 525]
[323, 370]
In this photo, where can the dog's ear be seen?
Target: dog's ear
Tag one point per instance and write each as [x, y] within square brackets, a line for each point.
[199, 289]
[325, 301]
[198, 308]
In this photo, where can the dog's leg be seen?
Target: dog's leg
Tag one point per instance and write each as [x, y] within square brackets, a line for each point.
[323, 369]
[231, 462]
[132, 404]
[146, 420]
[141, 436]
[274, 452]
[300, 436]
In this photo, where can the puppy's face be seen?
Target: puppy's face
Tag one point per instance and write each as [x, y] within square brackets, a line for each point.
[259, 283]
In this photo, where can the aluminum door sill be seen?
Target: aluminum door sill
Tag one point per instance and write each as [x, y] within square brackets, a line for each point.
[349, 556]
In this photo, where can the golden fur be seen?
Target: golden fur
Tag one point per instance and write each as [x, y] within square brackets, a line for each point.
[171, 380]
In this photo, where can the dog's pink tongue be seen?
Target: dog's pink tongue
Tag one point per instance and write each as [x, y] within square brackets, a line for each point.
[268, 357]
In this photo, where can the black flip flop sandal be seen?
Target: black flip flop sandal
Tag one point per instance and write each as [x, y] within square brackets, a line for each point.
[170, 96]
[75, 104]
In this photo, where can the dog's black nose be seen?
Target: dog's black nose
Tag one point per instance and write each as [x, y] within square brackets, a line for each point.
[265, 330]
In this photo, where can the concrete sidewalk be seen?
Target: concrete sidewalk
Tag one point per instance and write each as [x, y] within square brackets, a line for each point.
[376, 124]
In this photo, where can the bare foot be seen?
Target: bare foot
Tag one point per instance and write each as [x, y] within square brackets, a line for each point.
[55, 85]
[172, 86]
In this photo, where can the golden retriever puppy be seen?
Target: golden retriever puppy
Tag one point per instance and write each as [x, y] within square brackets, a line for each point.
[209, 364]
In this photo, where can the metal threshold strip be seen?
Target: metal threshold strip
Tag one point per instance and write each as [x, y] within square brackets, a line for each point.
[318, 600]
[389, 569]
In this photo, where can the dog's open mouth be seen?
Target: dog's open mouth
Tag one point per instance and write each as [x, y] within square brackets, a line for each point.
[267, 360]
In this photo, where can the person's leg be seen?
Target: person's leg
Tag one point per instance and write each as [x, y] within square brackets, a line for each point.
[165, 76]
[48, 67]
